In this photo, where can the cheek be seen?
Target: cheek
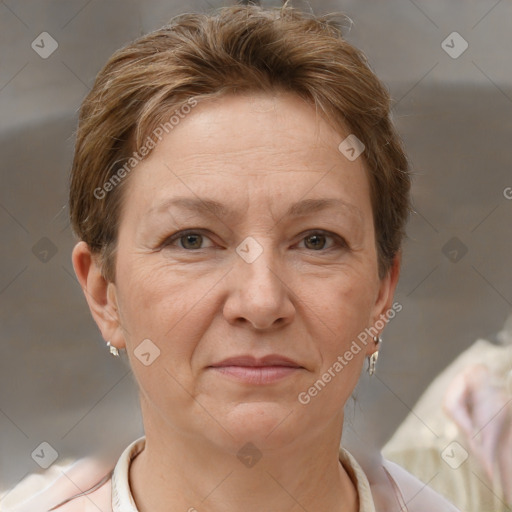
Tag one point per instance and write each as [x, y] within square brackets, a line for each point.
[347, 307]
[168, 310]
[346, 312]
[343, 353]
[160, 304]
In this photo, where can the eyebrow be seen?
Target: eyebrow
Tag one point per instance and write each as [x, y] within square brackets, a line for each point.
[212, 208]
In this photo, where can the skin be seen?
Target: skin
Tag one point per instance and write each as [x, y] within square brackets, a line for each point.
[199, 302]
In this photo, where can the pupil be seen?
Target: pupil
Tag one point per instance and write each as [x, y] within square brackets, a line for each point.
[317, 237]
[189, 237]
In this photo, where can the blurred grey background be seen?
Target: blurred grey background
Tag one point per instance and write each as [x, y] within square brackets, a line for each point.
[453, 109]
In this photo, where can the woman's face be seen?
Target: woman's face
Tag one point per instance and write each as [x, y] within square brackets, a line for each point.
[268, 272]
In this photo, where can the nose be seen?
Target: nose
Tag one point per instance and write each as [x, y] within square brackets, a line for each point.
[259, 293]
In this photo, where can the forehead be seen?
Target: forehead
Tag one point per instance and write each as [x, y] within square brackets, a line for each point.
[266, 149]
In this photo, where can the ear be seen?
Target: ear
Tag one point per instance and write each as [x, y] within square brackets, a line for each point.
[384, 301]
[101, 295]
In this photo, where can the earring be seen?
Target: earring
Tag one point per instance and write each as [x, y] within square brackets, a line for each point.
[372, 360]
[113, 350]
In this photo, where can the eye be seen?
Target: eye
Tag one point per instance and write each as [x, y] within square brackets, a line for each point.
[190, 240]
[315, 240]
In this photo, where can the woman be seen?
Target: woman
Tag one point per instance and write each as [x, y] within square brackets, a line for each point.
[240, 197]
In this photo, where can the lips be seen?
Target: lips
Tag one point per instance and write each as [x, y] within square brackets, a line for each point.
[253, 371]
[251, 361]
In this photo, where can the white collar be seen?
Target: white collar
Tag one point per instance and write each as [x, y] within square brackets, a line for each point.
[122, 499]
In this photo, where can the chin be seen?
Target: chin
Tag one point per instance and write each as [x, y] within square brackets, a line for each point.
[265, 424]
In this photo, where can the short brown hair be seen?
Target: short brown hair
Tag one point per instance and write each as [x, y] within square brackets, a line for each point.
[235, 49]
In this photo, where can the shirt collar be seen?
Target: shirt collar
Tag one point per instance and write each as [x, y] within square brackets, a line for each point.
[122, 499]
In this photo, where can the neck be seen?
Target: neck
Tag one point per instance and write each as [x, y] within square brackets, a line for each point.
[183, 472]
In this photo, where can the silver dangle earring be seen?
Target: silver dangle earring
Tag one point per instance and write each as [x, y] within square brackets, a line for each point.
[372, 360]
[113, 350]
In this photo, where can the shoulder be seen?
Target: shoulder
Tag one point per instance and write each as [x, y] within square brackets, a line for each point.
[418, 496]
[59, 487]
[97, 500]
[82, 486]
[394, 488]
